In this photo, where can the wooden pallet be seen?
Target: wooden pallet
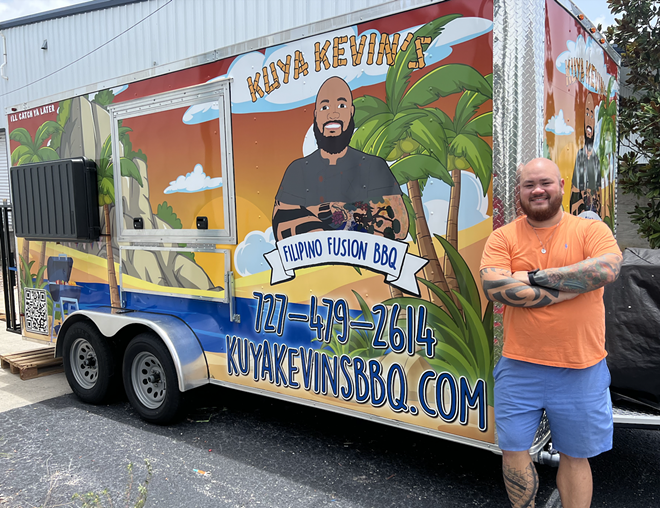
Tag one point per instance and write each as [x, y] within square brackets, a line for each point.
[31, 364]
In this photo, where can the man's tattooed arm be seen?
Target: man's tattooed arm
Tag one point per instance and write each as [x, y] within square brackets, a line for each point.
[290, 220]
[388, 217]
[500, 286]
[581, 277]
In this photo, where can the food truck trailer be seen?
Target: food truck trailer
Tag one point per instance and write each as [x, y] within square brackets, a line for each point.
[302, 216]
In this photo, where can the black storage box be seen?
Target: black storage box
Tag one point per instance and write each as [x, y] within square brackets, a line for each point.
[632, 320]
[56, 200]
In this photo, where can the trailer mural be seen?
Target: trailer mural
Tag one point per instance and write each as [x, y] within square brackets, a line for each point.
[581, 90]
[362, 172]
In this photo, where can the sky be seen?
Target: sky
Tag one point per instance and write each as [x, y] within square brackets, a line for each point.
[595, 10]
[10, 9]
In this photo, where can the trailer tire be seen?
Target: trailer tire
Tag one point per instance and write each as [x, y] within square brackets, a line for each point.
[90, 364]
[150, 379]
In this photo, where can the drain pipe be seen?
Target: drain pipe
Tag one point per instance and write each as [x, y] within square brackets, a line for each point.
[548, 456]
[4, 57]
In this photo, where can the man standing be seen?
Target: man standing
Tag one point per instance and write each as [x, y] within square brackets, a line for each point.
[548, 269]
[585, 186]
[337, 187]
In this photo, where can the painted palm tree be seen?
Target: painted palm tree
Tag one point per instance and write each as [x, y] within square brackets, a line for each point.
[31, 150]
[607, 115]
[467, 151]
[106, 188]
[419, 138]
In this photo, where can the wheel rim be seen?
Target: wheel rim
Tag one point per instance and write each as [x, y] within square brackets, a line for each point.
[84, 364]
[148, 380]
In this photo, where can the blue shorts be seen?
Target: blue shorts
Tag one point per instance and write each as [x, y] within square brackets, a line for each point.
[577, 402]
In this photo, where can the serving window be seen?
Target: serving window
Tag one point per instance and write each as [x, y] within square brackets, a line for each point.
[176, 180]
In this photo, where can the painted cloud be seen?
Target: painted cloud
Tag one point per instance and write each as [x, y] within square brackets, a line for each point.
[196, 181]
[473, 210]
[299, 92]
[558, 125]
[587, 51]
[249, 255]
[201, 113]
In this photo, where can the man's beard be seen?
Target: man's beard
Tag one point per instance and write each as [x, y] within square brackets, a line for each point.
[589, 140]
[334, 144]
[543, 215]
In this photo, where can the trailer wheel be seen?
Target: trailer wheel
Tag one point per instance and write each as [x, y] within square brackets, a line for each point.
[89, 363]
[150, 379]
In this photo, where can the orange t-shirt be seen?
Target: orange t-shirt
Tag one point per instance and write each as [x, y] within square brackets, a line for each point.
[568, 334]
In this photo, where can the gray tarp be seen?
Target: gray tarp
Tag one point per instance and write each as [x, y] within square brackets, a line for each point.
[632, 319]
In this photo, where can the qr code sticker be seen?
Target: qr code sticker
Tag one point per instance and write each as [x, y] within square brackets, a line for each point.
[36, 310]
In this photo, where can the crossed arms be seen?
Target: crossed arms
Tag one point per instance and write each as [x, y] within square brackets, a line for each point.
[555, 284]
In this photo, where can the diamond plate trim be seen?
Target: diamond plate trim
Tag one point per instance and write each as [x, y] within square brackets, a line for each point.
[542, 435]
[628, 411]
[634, 415]
[518, 75]
[616, 158]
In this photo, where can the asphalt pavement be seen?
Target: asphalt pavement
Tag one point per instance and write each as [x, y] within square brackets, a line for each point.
[240, 450]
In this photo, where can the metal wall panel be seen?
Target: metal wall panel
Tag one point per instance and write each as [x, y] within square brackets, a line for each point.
[518, 73]
[89, 51]
[4, 168]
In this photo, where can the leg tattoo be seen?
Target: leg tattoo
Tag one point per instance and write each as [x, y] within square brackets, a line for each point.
[521, 486]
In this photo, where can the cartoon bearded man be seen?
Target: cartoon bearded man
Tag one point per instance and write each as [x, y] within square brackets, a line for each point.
[337, 187]
[585, 188]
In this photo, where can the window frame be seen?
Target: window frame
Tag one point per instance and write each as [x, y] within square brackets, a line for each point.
[219, 91]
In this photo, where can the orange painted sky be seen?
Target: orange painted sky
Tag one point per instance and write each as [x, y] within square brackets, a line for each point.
[173, 149]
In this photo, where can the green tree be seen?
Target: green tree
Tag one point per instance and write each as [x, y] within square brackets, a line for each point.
[467, 150]
[31, 150]
[104, 98]
[637, 34]
[424, 142]
[106, 186]
[606, 147]
[63, 115]
[167, 214]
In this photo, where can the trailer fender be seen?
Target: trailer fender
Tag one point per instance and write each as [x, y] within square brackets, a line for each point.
[182, 343]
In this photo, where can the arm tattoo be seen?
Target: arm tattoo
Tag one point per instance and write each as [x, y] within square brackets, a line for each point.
[289, 220]
[521, 486]
[582, 277]
[499, 286]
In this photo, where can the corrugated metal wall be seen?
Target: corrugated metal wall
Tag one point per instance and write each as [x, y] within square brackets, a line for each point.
[91, 50]
[4, 167]
[5, 195]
